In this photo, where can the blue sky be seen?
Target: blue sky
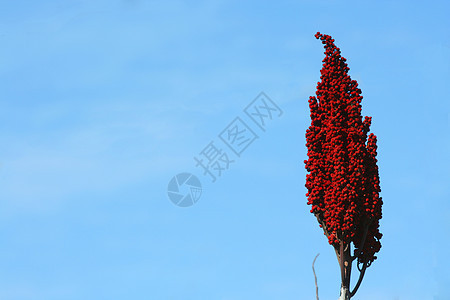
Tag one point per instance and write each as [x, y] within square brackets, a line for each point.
[103, 102]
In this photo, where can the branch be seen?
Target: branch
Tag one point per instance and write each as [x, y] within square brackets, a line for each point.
[315, 277]
[361, 276]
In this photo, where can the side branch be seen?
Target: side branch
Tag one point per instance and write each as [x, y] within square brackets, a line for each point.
[361, 276]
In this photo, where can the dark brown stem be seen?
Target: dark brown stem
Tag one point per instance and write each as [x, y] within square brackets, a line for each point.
[315, 277]
[341, 263]
[345, 263]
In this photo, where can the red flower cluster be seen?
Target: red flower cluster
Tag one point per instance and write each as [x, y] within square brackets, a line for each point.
[343, 183]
